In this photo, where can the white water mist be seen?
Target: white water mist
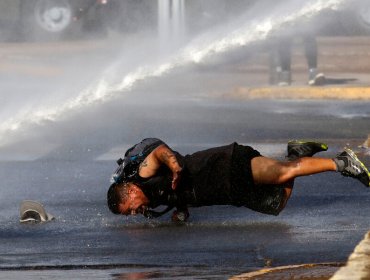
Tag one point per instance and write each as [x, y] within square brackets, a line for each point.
[214, 42]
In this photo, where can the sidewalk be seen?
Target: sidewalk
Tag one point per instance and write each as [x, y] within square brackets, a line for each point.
[302, 92]
[345, 61]
[358, 265]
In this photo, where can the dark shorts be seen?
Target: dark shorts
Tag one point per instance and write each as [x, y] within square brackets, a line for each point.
[266, 199]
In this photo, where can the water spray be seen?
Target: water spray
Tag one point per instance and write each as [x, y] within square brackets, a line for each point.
[197, 51]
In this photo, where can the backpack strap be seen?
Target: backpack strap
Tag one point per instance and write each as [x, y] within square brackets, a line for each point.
[128, 167]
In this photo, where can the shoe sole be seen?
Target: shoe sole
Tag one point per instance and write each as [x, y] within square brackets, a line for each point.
[353, 156]
[323, 146]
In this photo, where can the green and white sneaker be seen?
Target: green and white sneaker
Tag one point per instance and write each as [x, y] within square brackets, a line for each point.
[299, 148]
[350, 166]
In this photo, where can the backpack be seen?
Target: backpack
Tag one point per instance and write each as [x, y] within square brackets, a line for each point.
[128, 167]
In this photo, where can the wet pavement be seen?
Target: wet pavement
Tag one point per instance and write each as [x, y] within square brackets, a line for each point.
[66, 164]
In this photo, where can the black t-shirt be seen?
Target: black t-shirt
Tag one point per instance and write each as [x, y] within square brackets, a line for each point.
[208, 175]
[208, 178]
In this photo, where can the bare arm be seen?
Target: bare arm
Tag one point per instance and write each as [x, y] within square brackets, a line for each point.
[161, 155]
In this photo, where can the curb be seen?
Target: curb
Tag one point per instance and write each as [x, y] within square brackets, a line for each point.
[334, 93]
[311, 271]
[356, 268]
[358, 264]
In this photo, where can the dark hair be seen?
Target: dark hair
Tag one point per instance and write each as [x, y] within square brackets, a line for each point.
[116, 194]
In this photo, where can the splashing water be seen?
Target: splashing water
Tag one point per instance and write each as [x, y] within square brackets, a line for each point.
[199, 50]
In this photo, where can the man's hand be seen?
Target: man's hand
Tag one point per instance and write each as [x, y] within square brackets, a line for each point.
[176, 179]
[166, 156]
[180, 216]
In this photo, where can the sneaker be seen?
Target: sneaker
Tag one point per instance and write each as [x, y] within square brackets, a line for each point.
[298, 149]
[350, 166]
[314, 78]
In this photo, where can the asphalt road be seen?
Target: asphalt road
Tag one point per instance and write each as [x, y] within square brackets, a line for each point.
[64, 159]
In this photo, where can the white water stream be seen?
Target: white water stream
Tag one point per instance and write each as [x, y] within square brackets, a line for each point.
[241, 32]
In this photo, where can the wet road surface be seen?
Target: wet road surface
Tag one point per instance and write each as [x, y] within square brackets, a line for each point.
[66, 164]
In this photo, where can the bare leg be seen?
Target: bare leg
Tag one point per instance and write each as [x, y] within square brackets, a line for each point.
[270, 171]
